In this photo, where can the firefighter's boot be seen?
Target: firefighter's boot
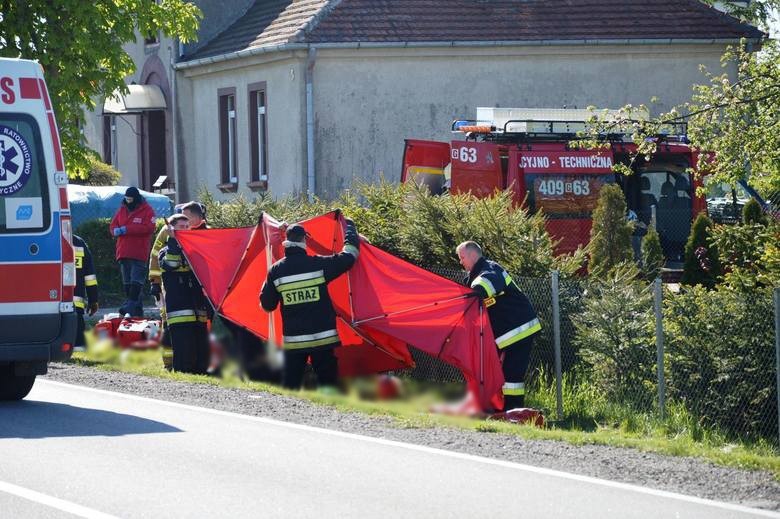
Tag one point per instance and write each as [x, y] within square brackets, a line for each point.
[167, 349]
[513, 402]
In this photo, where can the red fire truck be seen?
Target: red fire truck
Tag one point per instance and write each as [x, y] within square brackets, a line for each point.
[529, 151]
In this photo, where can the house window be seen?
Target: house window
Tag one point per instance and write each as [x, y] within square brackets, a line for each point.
[258, 134]
[227, 141]
[109, 139]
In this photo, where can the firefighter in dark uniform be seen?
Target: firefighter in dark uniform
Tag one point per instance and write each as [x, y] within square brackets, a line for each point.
[299, 283]
[512, 318]
[85, 296]
[185, 306]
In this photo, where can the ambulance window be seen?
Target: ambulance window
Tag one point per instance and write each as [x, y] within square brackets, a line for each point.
[24, 200]
[565, 196]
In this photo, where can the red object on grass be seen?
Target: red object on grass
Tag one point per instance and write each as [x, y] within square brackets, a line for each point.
[383, 303]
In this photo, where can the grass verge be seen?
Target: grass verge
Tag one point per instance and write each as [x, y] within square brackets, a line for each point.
[588, 419]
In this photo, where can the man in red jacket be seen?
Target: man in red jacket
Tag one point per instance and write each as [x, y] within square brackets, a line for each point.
[133, 226]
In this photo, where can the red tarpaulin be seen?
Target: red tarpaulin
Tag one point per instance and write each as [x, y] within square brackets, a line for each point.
[383, 303]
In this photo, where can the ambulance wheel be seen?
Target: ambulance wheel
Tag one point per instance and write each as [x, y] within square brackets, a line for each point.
[14, 387]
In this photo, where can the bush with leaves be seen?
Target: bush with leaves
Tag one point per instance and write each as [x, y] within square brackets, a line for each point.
[98, 174]
[616, 339]
[517, 240]
[408, 221]
[610, 236]
[749, 253]
[652, 255]
[720, 358]
[752, 213]
[702, 258]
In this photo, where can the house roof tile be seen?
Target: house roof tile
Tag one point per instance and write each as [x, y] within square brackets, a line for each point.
[273, 22]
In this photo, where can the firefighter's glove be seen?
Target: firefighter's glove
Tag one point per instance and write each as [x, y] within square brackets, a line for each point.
[351, 235]
[93, 308]
[119, 231]
[156, 291]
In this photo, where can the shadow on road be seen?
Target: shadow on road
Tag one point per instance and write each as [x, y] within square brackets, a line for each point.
[29, 419]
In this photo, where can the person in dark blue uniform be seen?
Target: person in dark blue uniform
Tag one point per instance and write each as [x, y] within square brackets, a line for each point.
[186, 307]
[299, 282]
[85, 296]
[512, 318]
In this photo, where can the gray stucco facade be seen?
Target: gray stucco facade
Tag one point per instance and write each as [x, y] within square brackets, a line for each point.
[368, 100]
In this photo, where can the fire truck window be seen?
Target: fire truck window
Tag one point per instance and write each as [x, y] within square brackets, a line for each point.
[670, 192]
[725, 202]
[565, 196]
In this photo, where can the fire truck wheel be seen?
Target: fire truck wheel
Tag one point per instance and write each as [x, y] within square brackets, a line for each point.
[14, 387]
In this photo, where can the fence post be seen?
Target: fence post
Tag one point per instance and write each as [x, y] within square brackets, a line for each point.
[777, 355]
[659, 345]
[556, 316]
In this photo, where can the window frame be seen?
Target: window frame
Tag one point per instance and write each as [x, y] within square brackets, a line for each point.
[109, 139]
[258, 150]
[227, 125]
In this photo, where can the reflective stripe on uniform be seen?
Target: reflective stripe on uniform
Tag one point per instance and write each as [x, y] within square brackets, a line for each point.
[293, 342]
[485, 283]
[78, 302]
[507, 278]
[156, 273]
[513, 388]
[90, 280]
[203, 316]
[295, 278]
[181, 316]
[351, 249]
[519, 333]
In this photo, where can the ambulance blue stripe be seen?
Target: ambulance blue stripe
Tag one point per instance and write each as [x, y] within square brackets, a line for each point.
[16, 247]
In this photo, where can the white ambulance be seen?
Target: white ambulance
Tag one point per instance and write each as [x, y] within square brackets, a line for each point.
[37, 271]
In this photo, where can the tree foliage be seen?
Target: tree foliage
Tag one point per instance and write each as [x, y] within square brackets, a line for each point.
[652, 255]
[615, 334]
[79, 44]
[406, 220]
[752, 213]
[734, 118]
[702, 258]
[99, 174]
[610, 236]
[720, 358]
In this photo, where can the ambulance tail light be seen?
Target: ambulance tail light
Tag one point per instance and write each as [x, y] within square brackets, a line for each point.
[68, 264]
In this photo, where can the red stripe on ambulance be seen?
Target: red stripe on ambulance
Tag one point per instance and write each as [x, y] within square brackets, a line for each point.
[30, 282]
[55, 137]
[45, 94]
[29, 88]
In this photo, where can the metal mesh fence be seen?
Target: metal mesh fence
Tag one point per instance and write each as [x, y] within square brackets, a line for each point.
[717, 348]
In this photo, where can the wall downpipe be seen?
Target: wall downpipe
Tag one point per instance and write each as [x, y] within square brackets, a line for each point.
[174, 125]
[311, 185]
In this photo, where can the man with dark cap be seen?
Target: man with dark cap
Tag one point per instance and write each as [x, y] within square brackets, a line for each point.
[133, 227]
[300, 283]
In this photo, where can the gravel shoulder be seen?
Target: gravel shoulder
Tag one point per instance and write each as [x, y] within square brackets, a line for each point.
[682, 475]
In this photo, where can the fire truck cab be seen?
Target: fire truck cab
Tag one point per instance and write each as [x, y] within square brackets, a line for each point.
[529, 151]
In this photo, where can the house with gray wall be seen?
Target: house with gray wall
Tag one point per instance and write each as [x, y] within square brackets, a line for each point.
[290, 96]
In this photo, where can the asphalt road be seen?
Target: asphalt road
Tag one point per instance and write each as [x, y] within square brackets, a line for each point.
[70, 451]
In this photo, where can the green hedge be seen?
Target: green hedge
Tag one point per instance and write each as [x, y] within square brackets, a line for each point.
[102, 246]
[720, 358]
[408, 222]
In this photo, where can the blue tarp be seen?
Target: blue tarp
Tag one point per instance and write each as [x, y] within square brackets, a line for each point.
[92, 202]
